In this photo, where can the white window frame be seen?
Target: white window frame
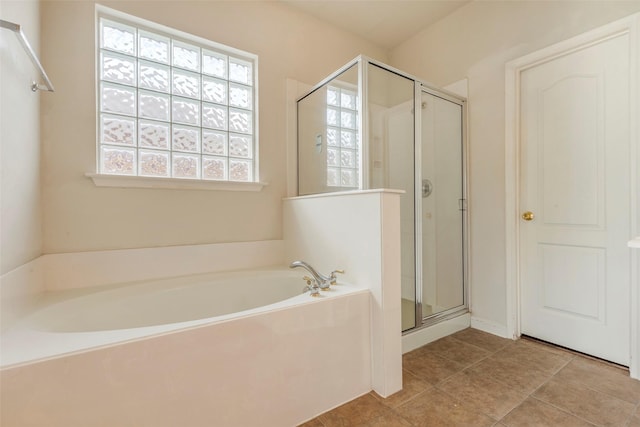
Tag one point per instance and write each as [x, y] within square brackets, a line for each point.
[141, 181]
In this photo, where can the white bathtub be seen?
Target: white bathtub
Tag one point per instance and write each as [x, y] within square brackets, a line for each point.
[232, 349]
[169, 301]
[70, 321]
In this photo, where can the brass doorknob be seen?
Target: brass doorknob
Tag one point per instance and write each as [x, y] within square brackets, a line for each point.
[527, 216]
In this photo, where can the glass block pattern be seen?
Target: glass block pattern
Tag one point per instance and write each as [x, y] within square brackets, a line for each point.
[118, 68]
[239, 170]
[154, 77]
[185, 166]
[154, 106]
[153, 134]
[117, 130]
[173, 108]
[186, 139]
[153, 47]
[240, 146]
[186, 111]
[214, 90]
[214, 168]
[214, 143]
[343, 151]
[118, 160]
[153, 163]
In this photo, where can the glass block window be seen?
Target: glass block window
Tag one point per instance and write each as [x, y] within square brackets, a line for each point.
[173, 105]
[343, 165]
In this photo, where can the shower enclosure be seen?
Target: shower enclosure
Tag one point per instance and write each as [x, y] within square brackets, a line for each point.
[369, 125]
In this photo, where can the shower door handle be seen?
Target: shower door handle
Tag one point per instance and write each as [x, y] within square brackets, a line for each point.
[427, 188]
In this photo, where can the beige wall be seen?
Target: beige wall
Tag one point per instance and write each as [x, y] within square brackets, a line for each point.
[475, 42]
[20, 207]
[81, 217]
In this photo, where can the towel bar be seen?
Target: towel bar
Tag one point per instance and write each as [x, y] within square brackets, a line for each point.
[25, 43]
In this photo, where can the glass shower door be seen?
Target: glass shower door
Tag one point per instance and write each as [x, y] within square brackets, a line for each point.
[370, 126]
[391, 159]
[442, 206]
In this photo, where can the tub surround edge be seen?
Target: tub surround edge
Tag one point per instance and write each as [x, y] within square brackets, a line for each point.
[87, 269]
[346, 193]
[19, 289]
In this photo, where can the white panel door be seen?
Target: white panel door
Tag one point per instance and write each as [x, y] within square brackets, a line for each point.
[575, 182]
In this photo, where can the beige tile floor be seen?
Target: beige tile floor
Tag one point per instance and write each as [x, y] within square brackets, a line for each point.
[473, 378]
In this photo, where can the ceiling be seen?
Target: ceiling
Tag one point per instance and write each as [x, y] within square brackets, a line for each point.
[386, 23]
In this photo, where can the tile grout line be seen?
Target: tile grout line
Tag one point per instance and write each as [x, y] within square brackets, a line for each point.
[473, 363]
[413, 397]
[566, 411]
[449, 360]
[633, 414]
[471, 409]
[497, 421]
[488, 354]
[402, 416]
[481, 348]
[606, 393]
[589, 387]
[530, 394]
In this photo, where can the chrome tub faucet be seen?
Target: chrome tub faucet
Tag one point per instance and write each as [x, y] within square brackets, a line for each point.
[320, 281]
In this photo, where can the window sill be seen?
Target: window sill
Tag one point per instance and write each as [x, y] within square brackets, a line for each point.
[122, 181]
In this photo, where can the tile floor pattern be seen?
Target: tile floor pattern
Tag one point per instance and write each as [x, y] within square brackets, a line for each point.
[472, 378]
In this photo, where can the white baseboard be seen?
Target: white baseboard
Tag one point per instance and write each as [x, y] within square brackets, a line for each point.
[429, 334]
[490, 326]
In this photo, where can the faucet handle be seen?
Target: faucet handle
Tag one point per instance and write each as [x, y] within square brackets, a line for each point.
[311, 286]
[332, 276]
[313, 290]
